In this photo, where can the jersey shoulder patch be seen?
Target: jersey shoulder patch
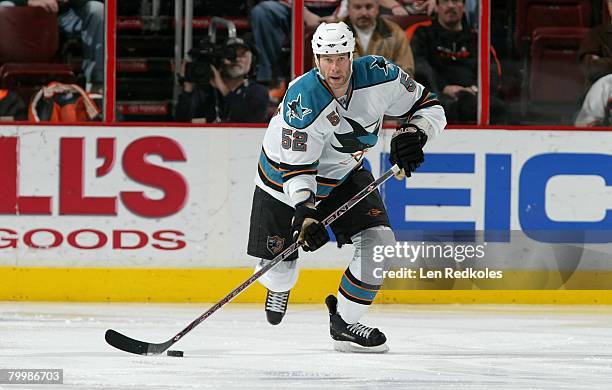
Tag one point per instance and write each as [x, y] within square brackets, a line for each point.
[373, 70]
[304, 100]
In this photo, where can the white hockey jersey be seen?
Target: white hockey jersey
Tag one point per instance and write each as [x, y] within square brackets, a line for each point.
[315, 140]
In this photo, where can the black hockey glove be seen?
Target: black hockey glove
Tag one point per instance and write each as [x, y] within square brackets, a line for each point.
[407, 148]
[307, 229]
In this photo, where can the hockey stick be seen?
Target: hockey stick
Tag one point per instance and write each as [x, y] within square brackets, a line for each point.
[131, 345]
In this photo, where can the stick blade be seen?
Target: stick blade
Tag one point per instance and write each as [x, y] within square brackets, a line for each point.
[134, 346]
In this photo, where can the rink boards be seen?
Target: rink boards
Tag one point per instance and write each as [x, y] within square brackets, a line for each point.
[161, 214]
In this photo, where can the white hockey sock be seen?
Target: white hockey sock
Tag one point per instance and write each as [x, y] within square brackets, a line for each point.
[281, 277]
[351, 312]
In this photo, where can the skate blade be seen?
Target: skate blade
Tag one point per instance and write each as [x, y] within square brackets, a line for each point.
[350, 347]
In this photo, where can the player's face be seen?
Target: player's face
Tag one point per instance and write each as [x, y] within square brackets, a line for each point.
[336, 69]
[450, 12]
[363, 13]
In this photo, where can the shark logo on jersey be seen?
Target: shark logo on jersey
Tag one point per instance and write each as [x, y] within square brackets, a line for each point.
[359, 139]
[381, 63]
[296, 110]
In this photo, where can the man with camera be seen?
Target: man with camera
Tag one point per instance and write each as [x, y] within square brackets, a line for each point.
[216, 86]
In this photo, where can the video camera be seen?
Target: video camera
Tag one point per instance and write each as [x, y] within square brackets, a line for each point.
[206, 54]
[209, 52]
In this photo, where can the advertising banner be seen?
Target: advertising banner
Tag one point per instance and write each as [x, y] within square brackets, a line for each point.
[181, 197]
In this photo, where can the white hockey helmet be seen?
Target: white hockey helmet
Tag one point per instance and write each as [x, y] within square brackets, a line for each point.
[333, 38]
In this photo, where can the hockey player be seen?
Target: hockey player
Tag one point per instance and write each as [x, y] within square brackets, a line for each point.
[313, 151]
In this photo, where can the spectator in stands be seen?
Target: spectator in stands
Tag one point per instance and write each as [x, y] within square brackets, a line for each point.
[596, 51]
[271, 24]
[230, 96]
[597, 105]
[12, 107]
[429, 7]
[446, 56]
[85, 17]
[421, 6]
[395, 7]
[375, 35]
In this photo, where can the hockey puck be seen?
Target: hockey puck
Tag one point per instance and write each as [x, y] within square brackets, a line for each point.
[175, 353]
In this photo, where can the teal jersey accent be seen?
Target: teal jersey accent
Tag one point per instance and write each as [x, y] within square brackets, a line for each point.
[373, 70]
[305, 100]
[273, 176]
[359, 292]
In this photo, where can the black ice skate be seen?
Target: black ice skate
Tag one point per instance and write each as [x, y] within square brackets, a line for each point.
[353, 337]
[276, 306]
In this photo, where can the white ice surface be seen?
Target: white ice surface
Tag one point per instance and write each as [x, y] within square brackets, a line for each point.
[432, 347]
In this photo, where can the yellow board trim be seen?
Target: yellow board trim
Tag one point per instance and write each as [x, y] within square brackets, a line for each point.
[210, 285]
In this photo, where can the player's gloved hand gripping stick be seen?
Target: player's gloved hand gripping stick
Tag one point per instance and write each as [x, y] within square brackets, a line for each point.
[306, 228]
[131, 345]
[407, 149]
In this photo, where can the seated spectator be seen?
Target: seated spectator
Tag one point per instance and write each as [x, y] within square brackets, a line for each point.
[446, 57]
[597, 105]
[228, 95]
[85, 17]
[377, 36]
[596, 51]
[271, 24]
[12, 107]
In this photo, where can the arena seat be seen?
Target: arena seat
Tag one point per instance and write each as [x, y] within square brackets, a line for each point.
[554, 84]
[555, 74]
[533, 14]
[29, 34]
[26, 78]
[29, 44]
